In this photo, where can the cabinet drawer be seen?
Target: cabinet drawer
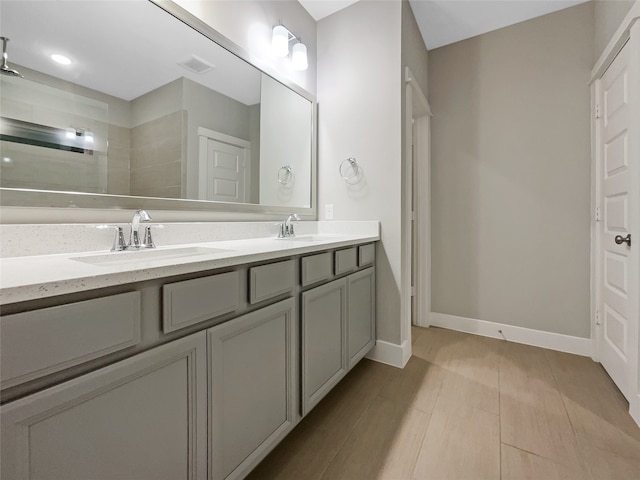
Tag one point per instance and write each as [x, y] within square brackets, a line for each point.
[40, 342]
[346, 260]
[315, 268]
[269, 281]
[192, 301]
[366, 254]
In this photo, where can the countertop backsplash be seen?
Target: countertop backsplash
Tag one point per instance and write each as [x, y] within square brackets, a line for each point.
[45, 239]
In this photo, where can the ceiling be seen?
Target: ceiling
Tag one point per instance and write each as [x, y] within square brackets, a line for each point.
[115, 48]
[442, 22]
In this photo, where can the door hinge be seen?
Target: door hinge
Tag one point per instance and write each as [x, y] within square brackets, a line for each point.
[597, 111]
[413, 216]
[598, 317]
[597, 214]
[413, 291]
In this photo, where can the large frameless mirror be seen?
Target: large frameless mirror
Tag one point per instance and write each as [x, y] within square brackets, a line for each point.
[122, 104]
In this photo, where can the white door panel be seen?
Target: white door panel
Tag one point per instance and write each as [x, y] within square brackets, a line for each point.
[616, 293]
[616, 273]
[226, 173]
[224, 169]
[615, 155]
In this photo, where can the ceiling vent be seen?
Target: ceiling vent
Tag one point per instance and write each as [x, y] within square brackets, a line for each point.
[196, 64]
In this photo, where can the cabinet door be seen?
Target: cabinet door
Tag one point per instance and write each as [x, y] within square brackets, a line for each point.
[361, 321]
[142, 418]
[252, 382]
[324, 354]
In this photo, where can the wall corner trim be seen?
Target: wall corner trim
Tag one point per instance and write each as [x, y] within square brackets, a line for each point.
[391, 353]
[616, 43]
[527, 336]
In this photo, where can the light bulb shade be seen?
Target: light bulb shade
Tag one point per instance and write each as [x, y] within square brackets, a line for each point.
[88, 137]
[280, 41]
[299, 57]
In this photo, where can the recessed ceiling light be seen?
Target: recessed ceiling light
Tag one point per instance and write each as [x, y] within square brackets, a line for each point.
[61, 59]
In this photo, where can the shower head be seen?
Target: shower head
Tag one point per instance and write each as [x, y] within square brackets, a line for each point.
[4, 68]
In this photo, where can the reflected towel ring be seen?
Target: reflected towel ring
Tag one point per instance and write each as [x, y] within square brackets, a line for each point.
[285, 175]
[343, 169]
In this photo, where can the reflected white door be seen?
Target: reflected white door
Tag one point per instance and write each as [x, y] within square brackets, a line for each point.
[225, 172]
[224, 167]
[618, 202]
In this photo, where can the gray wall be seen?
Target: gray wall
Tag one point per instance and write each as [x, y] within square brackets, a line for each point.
[359, 97]
[608, 15]
[278, 102]
[511, 174]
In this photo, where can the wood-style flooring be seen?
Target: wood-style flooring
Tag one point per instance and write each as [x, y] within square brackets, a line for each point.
[465, 407]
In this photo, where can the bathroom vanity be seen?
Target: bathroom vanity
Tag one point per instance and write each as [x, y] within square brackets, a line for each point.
[192, 360]
[192, 363]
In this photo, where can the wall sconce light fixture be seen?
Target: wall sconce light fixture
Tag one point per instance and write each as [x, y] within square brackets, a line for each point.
[79, 134]
[280, 46]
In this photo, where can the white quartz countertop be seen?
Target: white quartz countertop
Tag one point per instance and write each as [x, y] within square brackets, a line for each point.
[40, 276]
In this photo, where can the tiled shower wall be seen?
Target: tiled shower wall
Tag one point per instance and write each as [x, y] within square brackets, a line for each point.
[119, 158]
[157, 150]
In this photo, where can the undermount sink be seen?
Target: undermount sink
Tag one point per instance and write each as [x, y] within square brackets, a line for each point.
[133, 256]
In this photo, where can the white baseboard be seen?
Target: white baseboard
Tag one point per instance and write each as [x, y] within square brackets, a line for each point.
[528, 336]
[390, 353]
[634, 409]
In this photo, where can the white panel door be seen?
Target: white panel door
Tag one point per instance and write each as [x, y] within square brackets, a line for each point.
[618, 200]
[225, 172]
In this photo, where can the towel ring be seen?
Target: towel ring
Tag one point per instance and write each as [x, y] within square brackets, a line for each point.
[343, 169]
[285, 175]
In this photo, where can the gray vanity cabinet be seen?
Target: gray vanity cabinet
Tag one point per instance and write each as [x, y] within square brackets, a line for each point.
[361, 324]
[143, 418]
[324, 336]
[338, 330]
[252, 387]
[193, 405]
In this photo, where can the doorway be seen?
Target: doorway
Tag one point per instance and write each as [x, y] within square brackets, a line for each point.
[417, 194]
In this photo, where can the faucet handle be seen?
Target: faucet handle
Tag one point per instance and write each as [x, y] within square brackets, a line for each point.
[119, 243]
[147, 241]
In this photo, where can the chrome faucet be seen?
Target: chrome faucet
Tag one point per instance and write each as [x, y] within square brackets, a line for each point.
[134, 238]
[286, 227]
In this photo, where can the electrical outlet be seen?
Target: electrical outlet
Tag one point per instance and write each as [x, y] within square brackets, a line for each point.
[328, 211]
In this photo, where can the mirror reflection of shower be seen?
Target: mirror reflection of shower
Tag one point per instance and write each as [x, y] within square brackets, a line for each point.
[4, 68]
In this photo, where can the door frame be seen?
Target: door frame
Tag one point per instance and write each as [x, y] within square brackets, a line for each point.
[417, 118]
[627, 33]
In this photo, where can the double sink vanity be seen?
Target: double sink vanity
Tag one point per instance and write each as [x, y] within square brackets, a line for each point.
[191, 360]
[186, 361]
